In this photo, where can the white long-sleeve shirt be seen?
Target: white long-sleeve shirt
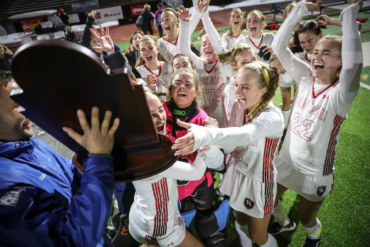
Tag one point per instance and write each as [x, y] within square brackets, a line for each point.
[170, 48]
[163, 75]
[254, 145]
[319, 110]
[211, 76]
[156, 197]
[266, 38]
[228, 43]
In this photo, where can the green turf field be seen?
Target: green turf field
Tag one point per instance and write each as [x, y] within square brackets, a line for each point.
[345, 214]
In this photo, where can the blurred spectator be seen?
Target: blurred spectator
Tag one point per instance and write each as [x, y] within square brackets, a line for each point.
[6, 57]
[157, 19]
[70, 35]
[147, 17]
[132, 53]
[63, 16]
[165, 5]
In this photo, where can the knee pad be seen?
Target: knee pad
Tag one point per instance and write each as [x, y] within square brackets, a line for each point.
[214, 222]
[189, 217]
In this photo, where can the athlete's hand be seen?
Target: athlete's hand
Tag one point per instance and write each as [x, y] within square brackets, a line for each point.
[282, 71]
[92, 14]
[312, 5]
[106, 42]
[96, 139]
[325, 20]
[183, 13]
[202, 6]
[219, 91]
[152, 82]
[268, 48]
[185, 143]
[360, 2]
[205, 148]
[211, 121]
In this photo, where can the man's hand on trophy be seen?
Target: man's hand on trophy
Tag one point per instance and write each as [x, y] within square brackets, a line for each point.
[106, 42]
[97, 139]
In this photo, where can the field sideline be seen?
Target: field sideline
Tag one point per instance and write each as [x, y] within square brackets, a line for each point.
[345, 213]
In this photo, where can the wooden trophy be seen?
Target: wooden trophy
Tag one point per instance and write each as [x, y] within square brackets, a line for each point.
[59, 77]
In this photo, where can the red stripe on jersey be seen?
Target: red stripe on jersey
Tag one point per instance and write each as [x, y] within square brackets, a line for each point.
[151, 241]
[160, 192]
[209, 71]
[268, 173]
[306, 57]
[254, 43]
[170, 41]
[313, 88]
[159, 72]
[330, 153]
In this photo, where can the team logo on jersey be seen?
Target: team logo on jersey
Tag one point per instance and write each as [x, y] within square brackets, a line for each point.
[321, 190]
[248, 203]
[178, 112]
[11, 198]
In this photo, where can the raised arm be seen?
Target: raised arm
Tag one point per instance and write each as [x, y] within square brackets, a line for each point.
[214, 37]
[194, 19]
[352, 56]
[295, 67]
[266, 125]
[86, 35]
[185, 171]
[184, 40]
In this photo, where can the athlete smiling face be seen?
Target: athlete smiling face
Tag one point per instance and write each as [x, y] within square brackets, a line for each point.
[157, 113]
[183, 89]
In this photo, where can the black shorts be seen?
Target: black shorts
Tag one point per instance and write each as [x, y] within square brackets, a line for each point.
[202, 196]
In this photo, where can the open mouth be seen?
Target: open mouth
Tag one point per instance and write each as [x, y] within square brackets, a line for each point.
[236, 23]
[253, 29]
[26, 124]
[318, 67]
[167, 29]
[160, 129]
[149, 58]
[182, 94]
[209, 52]
[241, 102]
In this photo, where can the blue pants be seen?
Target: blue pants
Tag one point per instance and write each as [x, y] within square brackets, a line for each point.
[124, 193]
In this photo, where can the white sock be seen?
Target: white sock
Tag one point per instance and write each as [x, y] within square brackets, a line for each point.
[280, 215]
[271, 241]
[314, 232]
[286, 115]
[243, 232]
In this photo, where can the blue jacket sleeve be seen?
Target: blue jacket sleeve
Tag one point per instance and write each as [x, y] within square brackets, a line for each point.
[45, 219]
[116, 60]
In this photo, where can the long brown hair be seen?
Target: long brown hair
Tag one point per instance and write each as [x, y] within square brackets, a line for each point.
[6, 49]
[140, 61]
[198, 88]
[229, 56]
[273, 77]
[131, 38]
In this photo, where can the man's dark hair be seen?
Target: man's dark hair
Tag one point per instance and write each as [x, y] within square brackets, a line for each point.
[5, 76]
[159, 5]
[164, 4]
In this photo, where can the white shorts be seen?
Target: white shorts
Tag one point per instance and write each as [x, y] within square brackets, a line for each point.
[247, 195]
[312, 187]
[173, 236]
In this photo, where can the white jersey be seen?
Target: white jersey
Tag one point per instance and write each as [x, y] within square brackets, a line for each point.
[319, 110]
[228, 99]
[163, 75]
[305, 57]
[169, 49]
[266, 38]
[156, 197]
[254, 145]
[228, 43]
[211, 76]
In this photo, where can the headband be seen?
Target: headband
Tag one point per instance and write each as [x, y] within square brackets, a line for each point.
[264, 71]
[147, 37]
[237, 47]
[171, 13]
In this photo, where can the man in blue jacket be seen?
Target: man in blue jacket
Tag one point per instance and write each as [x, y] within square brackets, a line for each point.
[44, 199]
